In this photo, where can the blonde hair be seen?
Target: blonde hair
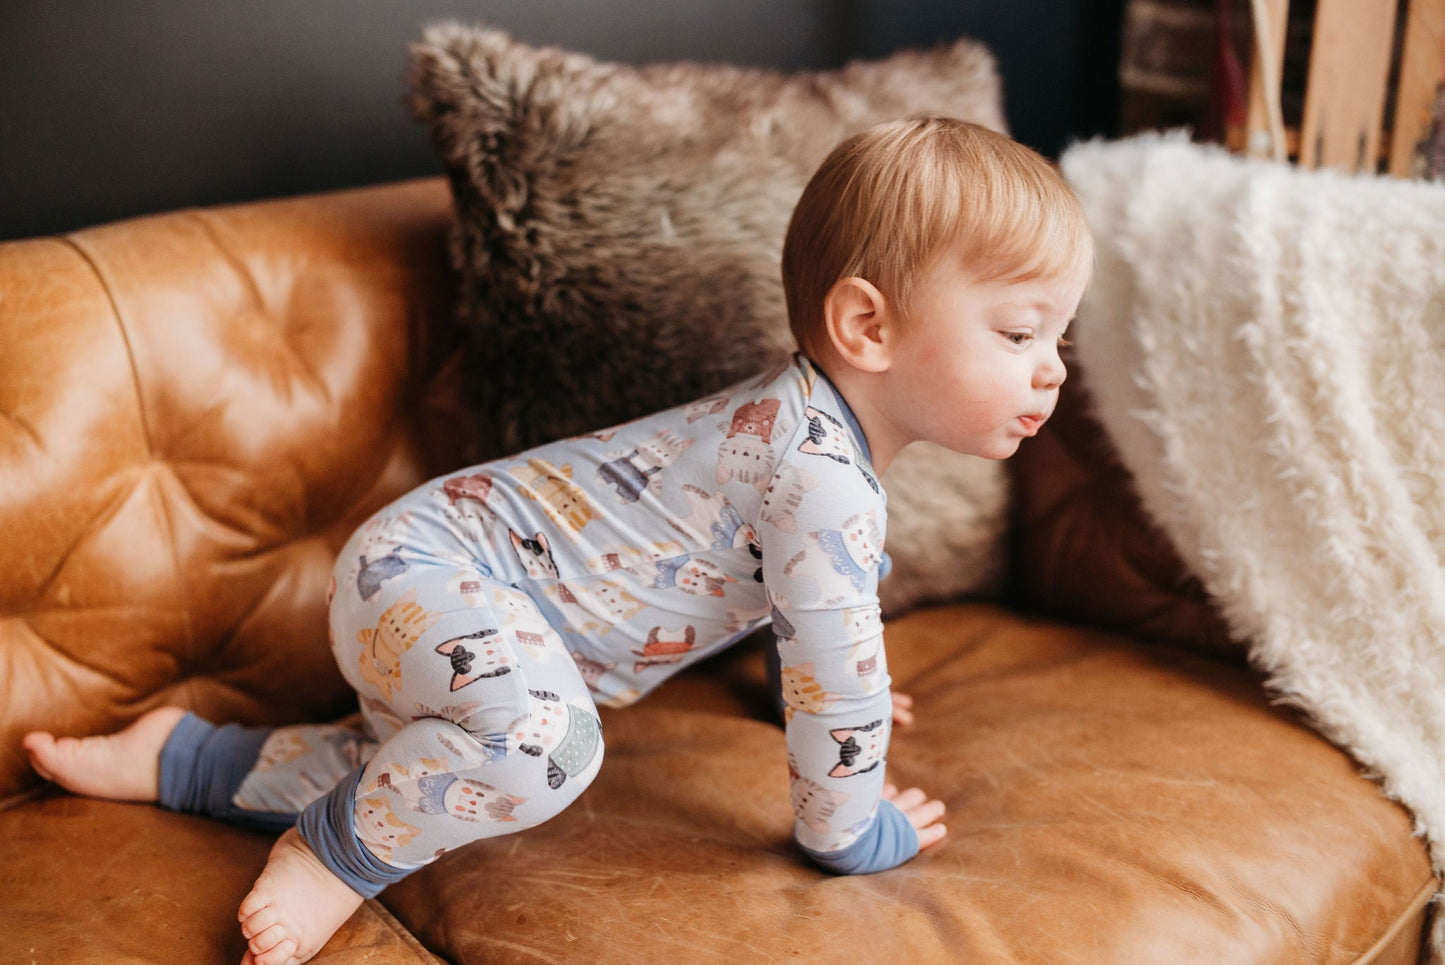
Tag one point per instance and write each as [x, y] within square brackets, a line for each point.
[888, 202]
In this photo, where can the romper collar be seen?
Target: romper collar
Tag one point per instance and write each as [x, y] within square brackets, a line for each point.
[848, 417]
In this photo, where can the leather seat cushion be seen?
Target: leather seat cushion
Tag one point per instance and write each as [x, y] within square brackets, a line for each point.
[1107, 802]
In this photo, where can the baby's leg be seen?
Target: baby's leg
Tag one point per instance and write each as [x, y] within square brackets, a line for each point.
[489, 729]
[256, 776]
[253, 776]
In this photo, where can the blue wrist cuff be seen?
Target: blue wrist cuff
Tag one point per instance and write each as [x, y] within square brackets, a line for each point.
[889, 841]
[328, 825]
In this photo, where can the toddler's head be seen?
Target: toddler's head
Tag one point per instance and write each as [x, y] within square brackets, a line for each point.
[931, 268]
[889, 202]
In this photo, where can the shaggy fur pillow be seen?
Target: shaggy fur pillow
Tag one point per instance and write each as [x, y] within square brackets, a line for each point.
[618, 235]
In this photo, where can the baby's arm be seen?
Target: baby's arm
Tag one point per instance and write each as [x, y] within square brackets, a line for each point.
[902, 703]
[821, 570]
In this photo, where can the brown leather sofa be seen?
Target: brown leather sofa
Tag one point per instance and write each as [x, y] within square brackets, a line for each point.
[197, 408]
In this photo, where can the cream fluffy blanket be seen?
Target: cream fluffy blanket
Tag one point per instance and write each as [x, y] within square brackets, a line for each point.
[1267, 349]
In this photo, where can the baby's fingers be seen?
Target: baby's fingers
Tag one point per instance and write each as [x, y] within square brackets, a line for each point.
[922, 813]
[931, 835]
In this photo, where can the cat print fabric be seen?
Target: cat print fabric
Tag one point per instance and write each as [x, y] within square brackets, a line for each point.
[483, 616]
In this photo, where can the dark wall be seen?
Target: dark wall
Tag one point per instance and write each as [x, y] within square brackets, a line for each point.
[109, 110]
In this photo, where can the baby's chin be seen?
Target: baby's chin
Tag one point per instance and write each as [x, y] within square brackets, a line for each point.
[996, 447]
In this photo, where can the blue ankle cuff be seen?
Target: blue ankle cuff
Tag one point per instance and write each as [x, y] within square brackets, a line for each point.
[202, 765]
[329, 826]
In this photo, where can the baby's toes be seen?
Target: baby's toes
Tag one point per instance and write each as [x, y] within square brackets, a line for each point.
[253, 904]
[41, 747]
[267, 939]
[278, 954]
[259, 922]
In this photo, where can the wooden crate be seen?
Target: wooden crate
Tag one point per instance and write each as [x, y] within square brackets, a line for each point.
[1356, 48]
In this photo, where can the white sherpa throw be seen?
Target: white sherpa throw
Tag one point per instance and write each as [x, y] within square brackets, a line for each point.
[1267, 349]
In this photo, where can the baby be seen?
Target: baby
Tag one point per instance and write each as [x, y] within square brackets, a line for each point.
[931, 268]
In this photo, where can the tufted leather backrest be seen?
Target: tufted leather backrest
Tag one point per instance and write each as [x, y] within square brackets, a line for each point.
[196, 409]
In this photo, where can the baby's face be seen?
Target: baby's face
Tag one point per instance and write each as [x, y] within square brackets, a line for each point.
[977, 367]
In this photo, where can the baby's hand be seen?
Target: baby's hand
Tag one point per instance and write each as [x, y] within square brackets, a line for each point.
[902, 709]
[922, 813]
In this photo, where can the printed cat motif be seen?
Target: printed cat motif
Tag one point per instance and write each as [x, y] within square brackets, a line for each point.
[746, 454]
[477, 486]
[465, 799]
[535, 555]
[784, 495]
[380, 536]
[470, 585]
[660, 649]
[695, 575]
[860, 749]
[595, 606]
[570, 737]
[813, 805]
[855, 551]
[564, 502]
[396, 776]
[283, 745]
[866, 658]
[521, 620]
[287, 744]
[474, 658]
[741, 619]
[464, 502]
[576, 616]
[827, 437]
[397, 631]
[703, 525]
[802, 692]
[730, 532]
[626, 476]
[591, 670]
[755, 419]
[633, 560]
[380, 829]
[376, 572]
[703, 408]
[632, 473]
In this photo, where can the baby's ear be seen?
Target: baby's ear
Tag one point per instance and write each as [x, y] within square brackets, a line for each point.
[860, 324]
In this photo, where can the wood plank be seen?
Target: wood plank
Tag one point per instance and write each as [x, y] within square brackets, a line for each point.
[1348, 74]
[1261, 138]
[1422, 70]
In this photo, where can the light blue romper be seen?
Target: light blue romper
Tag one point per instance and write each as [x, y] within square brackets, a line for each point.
[480, 616]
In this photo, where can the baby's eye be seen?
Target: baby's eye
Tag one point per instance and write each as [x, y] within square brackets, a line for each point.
[1018, 338]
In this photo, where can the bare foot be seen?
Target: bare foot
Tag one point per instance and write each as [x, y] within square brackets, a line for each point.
[294, 907]
[124, 766]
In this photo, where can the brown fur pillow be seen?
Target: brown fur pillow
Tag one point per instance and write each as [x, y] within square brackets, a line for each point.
[618, 236]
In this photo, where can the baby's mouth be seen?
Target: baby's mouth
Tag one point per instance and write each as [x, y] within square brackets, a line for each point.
[1032, 423]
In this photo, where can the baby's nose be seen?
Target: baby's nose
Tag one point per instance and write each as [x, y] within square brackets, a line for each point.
[1051, 375]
